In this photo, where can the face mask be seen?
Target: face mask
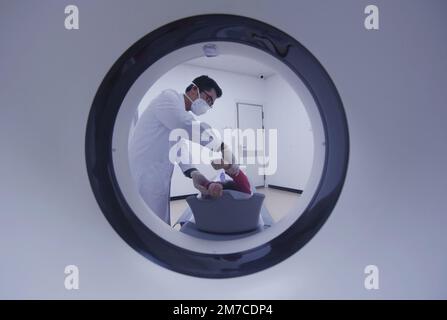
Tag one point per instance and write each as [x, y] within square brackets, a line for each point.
[198, 106]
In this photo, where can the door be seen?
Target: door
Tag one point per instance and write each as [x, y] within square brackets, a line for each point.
[251, 116]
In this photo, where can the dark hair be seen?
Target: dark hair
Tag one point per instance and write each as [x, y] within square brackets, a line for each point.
[205, 83]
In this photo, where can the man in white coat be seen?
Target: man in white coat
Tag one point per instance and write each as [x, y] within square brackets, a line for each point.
[149, 146]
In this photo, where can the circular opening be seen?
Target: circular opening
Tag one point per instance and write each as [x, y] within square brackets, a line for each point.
[137, 99]
[155, 53]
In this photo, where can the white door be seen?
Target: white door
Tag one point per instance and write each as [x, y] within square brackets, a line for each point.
[250, 116]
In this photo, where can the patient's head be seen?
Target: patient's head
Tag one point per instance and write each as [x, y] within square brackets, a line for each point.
[215, 189]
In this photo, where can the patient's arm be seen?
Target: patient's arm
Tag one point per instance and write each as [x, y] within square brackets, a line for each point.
[228, 163]
[240, 181]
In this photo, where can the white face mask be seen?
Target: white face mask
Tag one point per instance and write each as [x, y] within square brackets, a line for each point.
[198, 106]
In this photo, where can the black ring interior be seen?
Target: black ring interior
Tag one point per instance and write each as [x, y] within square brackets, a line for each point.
[127, 69]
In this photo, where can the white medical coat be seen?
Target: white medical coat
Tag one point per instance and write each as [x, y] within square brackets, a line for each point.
[149, 149]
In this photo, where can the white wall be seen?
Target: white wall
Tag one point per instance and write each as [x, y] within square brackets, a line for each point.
[284, 111]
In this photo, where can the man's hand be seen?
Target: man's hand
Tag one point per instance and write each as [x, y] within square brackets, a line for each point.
[219, 164]
[228, 161]
[200, 182]
[227, 155]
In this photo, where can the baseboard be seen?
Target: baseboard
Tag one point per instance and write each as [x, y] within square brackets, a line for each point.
[285, 189]
[183, 197]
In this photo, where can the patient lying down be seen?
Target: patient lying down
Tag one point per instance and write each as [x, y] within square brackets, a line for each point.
[239, 183]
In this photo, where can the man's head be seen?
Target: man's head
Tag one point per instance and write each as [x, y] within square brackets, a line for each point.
[203, 87]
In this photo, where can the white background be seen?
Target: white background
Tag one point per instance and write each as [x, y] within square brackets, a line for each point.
[392, 210]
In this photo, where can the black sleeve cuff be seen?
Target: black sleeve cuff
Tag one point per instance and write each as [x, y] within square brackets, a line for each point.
[187, 173]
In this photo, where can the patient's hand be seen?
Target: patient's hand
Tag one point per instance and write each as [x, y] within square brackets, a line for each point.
[215, 189]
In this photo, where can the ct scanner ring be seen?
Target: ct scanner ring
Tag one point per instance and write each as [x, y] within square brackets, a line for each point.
[140, 56]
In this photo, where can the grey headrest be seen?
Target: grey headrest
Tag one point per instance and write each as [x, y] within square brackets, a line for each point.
[226, 214]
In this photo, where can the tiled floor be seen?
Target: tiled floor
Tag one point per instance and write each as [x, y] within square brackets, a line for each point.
[278, 203]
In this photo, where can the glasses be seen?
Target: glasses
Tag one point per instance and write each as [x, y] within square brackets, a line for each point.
[209, 99]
